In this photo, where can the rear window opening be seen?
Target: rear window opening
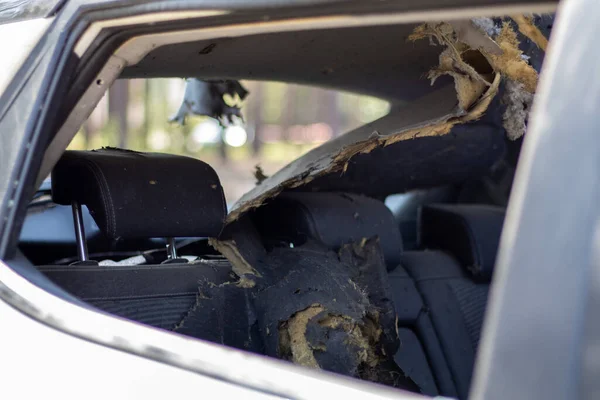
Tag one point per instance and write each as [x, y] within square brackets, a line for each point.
[257, 233]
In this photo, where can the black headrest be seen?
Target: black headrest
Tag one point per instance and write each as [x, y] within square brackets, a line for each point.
[333, 219]
[131, 194]
[469, 232]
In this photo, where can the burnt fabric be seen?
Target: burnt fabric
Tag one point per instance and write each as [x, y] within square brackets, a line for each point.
[332, 311]
[471, 233]
[223, 313]
[309, 305]
[467, 152]
[333, 219]
[365, 262]
[206, 98]
[131, 194]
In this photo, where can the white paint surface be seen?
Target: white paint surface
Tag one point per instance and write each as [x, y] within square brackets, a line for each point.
[17, 39]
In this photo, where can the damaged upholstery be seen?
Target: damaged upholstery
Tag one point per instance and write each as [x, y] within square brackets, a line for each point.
[325, 306]
[321, 293]
[337, 218]
[329, 301]
[333, 219]
[439, 295]
[307, 304]
[469, 148]
[131, 194]
[423, 162]
[453, 132]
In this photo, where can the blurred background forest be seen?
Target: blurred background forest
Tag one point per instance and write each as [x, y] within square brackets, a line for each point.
[281, 122]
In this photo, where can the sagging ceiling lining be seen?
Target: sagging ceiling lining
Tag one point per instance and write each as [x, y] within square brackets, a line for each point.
[375, 60]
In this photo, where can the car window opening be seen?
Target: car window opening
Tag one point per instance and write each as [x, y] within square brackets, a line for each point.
[372, 260]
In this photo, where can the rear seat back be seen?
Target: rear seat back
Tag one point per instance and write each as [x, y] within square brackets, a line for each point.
[333, 219]
[130, 195]
[471, 233]
[453, 275]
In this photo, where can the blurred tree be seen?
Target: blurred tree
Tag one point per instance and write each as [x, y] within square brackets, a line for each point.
[289, 110]
[223, 145]
[328, 110]
[253, 115]
[146, 127]
[118, 99]
[272, 101]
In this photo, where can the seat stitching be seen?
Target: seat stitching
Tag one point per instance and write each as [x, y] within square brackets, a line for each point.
[105, 183]
[142, 296]
[437, 278]
[92, 168]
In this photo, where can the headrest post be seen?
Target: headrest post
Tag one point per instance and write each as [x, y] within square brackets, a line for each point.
[82, 251]
[171, 249]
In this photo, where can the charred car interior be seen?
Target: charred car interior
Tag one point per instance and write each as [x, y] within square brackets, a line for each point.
[310, 266]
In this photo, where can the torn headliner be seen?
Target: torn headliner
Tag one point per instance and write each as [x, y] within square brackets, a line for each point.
[430, 116]
[384, 61]
[469, 152]
[374, 60]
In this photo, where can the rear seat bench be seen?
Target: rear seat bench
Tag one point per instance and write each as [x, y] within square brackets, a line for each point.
[133, 195]
[440, 292]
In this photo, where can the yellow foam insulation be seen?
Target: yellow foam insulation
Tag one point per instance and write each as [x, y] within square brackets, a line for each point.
[240, 266]
[528, 28]
[463, 62]
[358, 337]
[292, 336]
[508, 62]
[361, 336]
[470, 83]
